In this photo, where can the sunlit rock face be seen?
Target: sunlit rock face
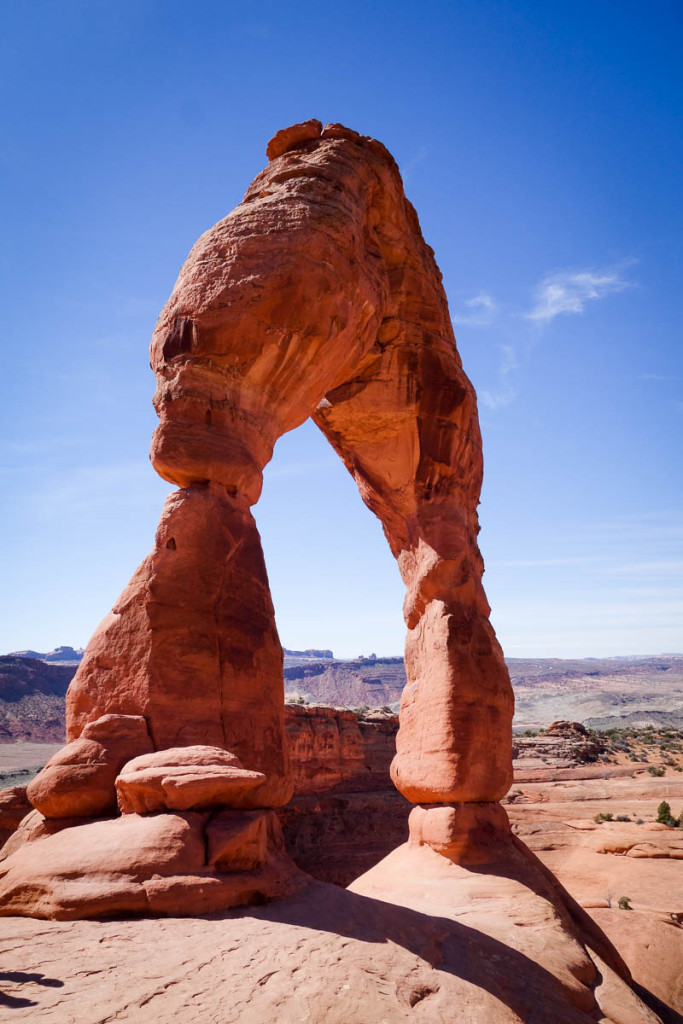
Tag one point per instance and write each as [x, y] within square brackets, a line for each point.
[316, 297]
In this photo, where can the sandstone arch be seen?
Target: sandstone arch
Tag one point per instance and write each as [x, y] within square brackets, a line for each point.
[317, 296]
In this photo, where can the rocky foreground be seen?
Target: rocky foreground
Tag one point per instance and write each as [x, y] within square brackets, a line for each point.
[485, 940]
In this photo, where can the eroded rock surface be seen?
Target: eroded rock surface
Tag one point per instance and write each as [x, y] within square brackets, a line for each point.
[184, 779]
[419, 939]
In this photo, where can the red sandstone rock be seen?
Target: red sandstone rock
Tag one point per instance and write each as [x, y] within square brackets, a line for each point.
[527, 912]
[287, 138]
[133, 864]
[317, 296]
[326, 747]
[99, 867]
[14, 806]
[238, 841]
[463, 833]
[78, 781]
[180, 649]
[183, 779]
[243, 353]
[567, 728]
[494, 952]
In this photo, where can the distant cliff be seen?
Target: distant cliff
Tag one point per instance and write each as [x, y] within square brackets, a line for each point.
[370, 682]
[32, 700]
[601, 692]
[60, 655]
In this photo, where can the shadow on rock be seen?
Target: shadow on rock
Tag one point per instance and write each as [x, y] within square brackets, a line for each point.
[22, 978]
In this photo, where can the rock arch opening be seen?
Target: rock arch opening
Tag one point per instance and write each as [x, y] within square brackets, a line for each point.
[334, 582]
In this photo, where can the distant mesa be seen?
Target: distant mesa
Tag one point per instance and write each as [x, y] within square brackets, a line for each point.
[60, 655]
[311, 653]
[65, 655]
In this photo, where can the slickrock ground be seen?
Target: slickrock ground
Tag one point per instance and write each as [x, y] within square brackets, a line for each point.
[244, 966]
[497, 951]
[600, 863]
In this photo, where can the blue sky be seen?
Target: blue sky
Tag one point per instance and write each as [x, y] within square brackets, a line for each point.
[541, 146]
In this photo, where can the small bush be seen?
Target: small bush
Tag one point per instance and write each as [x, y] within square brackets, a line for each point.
[664, 813]
[657, 772]
[624, 903]
[622, 817]
[602, 816]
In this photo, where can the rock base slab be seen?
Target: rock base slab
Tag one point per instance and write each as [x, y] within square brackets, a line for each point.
[184, 863]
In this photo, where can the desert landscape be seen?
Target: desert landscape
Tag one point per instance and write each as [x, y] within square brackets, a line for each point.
[602, 693]
[483, 823]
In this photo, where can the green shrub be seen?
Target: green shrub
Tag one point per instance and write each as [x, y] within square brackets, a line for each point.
[625, 903]
[664, 813]
[602, 816]
[658, 772]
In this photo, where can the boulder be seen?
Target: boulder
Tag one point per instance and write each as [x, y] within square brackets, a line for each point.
[183, 779]
[79, 780]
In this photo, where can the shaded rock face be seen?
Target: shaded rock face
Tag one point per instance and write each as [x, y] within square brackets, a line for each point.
[14, 806]
[331, 748]
[316, 297]
[345, 814]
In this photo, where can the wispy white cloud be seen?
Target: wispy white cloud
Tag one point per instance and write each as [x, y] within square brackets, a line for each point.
[563, 292]
[660, 568]
[414, 160]
[568, 291]
[498, 399]
[482, 311]
[506, 392]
